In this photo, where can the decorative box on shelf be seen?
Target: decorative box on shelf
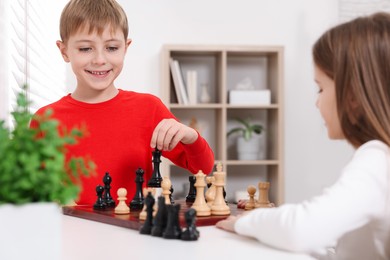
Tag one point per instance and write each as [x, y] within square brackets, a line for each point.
[250, 97]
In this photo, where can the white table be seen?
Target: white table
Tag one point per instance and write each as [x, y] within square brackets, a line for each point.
[85, 239]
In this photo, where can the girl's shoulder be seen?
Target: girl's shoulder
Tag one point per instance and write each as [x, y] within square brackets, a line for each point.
[373, 146]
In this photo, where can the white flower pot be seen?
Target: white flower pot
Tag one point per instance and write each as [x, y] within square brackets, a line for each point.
[31, 231]
[250, 150]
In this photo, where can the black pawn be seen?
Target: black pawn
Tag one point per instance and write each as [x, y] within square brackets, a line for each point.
[107, 188]
[137, 202]
[192, 192]
[160, 220]
[190, 233]
[156, 178]
[146, 228]
[99, 204]
[173, 230]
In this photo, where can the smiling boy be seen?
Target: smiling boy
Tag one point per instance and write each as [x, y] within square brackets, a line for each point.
[123, 126]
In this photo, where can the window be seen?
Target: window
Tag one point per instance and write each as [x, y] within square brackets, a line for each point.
[30, 54]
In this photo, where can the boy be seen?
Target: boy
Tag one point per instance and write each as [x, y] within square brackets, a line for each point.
[123, 127]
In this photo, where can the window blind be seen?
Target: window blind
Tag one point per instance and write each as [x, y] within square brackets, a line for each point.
[32, 55]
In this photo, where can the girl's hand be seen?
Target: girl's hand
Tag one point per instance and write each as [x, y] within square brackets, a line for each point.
[169, 132]
[227, 224]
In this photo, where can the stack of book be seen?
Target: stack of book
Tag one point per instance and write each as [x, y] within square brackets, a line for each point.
[186, 95]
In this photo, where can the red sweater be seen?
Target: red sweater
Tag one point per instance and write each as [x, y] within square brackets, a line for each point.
[118, 140]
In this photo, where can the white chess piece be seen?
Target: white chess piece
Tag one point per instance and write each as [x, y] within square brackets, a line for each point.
[210, 193]
[251, 202]
[219, 206]
[122, 207]
[166, 186]
[200, 204]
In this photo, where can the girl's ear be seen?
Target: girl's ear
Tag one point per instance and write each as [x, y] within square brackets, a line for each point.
[62, 47]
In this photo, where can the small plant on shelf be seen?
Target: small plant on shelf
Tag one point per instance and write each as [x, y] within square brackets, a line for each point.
[33, 165]
[247, 129]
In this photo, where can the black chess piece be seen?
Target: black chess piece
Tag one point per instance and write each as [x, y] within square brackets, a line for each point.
[155, 180]
[190, 233]
[171, 195]
[110, 203]
[146, 228]
[160, 220]
[192, 191]
[173, 229]
[99, 204]
[137, 203]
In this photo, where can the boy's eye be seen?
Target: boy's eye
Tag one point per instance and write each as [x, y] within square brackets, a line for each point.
[85, 49]
[319, 90]
[112, 48]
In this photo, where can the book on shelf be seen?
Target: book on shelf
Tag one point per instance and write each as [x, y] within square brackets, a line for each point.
[192, 86]
[178, 82]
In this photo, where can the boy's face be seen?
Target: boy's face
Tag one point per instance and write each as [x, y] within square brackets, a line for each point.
[96, 60]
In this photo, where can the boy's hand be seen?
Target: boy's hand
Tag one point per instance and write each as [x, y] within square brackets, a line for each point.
[168, 133]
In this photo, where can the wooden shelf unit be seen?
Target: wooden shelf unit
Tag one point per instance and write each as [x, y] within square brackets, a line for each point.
[221, 67]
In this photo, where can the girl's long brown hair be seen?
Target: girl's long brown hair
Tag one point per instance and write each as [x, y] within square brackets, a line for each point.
[356, 55]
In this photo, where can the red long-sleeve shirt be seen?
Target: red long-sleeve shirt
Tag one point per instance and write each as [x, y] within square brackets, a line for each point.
[118, 140]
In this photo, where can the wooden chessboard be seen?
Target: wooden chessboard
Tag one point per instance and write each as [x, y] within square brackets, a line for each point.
[132, 221]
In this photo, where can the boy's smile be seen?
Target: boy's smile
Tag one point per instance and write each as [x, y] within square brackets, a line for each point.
[96, 60]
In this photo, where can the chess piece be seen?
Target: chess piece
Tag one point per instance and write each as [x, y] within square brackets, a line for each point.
[160, 220]
[171, 195]
[107, 188]
[172, 230]
[122, 208]
[192, 191]
[99, 204]
[200, 204]
[165, 186]
[146, 228]
[210, 193]
[190, 233]
[250, 204]
[137, 202]
[142, 214]
[219, 206]
[263, 201]
[156, 179]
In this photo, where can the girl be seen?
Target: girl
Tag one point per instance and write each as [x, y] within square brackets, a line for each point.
[352, 70]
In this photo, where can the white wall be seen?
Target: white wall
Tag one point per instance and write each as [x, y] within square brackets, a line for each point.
[311, 160]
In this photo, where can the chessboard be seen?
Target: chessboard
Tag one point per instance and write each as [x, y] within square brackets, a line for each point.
[132, 220]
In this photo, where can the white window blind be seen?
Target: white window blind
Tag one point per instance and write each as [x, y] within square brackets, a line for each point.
[31, 54]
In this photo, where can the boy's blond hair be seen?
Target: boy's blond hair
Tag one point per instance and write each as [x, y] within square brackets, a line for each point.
[93, 15]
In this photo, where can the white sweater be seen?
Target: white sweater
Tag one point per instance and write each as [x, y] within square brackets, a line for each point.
[353, 215]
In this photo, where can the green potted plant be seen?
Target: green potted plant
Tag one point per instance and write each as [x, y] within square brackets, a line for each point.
[248, 141]
[35, 179]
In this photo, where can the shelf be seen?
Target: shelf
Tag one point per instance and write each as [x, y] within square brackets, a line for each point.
[257, 162]
[222, 68]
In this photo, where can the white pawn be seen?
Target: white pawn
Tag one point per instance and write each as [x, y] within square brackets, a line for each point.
[122, 207]
[166, 186]
[251, 203]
